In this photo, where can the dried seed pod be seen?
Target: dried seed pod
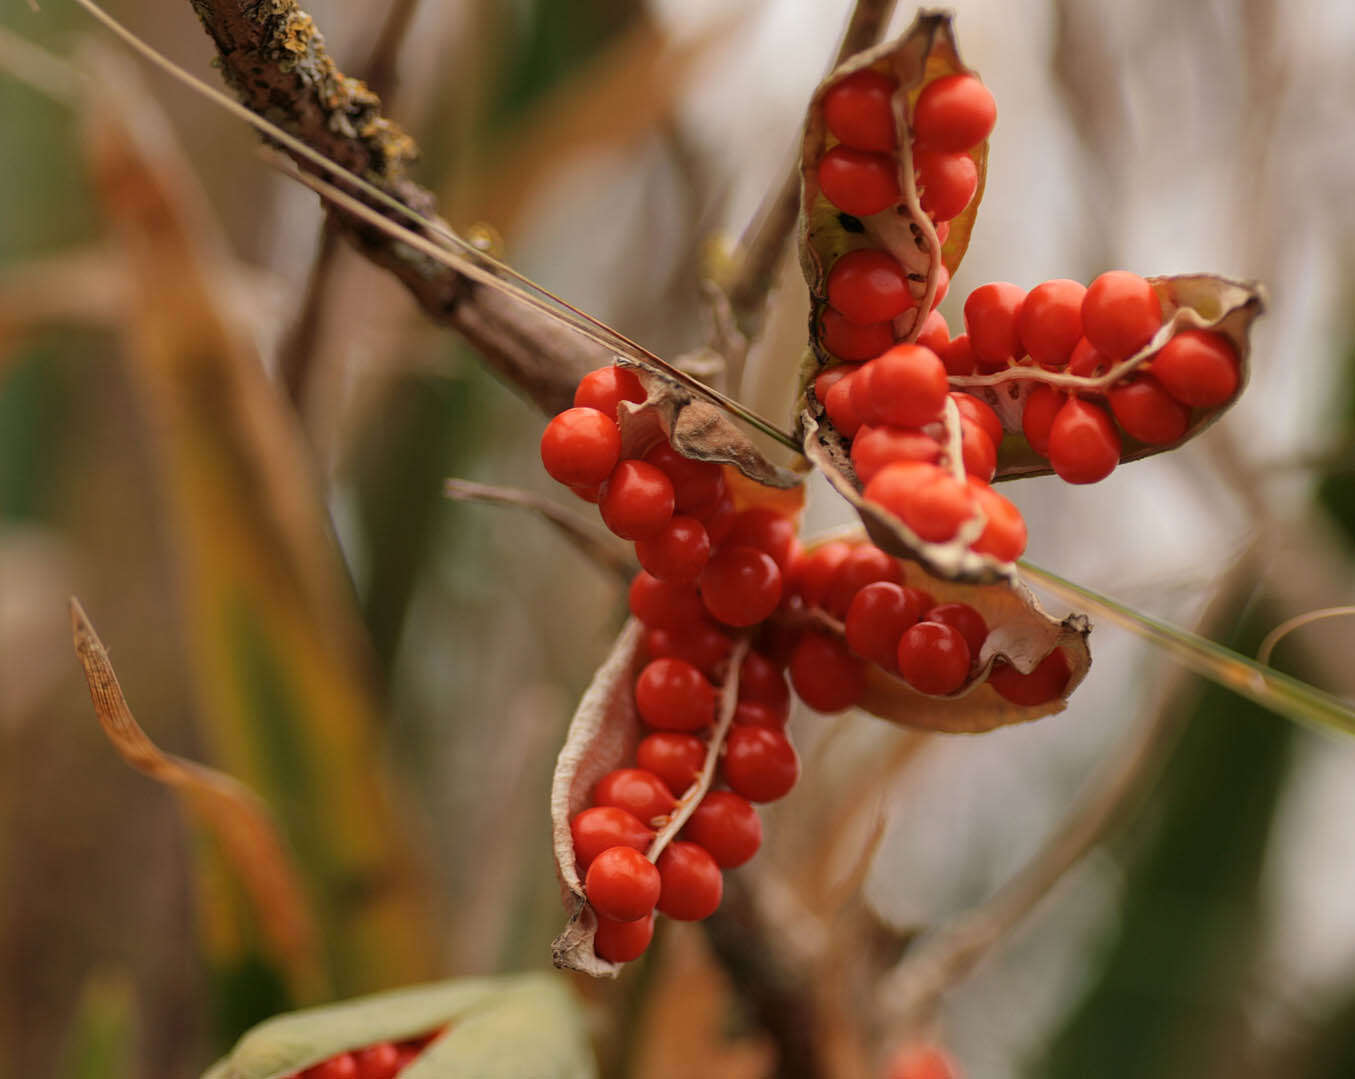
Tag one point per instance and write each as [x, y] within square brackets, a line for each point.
[864, 196]
[1020, 634]
[1190, 302]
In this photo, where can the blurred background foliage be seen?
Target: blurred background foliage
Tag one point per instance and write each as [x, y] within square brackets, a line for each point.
[235, 460]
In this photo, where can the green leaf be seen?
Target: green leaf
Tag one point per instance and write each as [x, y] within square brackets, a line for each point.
[521, 1025]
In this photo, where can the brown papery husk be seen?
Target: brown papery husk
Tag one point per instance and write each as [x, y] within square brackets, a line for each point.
[696, 427]
[602, 736]
[1019, 632]
[1189, 302]
[925, 52]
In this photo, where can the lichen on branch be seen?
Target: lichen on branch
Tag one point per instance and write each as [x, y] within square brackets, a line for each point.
[274, 59]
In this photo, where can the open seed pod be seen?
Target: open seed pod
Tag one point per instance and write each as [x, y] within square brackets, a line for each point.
[1020, 633]
[894, 222]
[524, 1024]
[603, 736]
[953, 560]
[1189, 302]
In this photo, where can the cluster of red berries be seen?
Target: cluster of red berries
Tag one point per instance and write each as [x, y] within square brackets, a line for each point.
[1085, 331]
[899, 628]
[869, 292]
[713, 571]
[384, 1060]
[677, 701]
[709, 569]
[859, 173]
[891, 409]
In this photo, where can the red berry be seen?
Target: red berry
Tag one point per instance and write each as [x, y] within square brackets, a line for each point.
[935, 334]
[719, 520]
[741, 586]
[600, 828]
[605, 389]
[760, 714]
[636, 501]
[868, 285]
[677, 553]
[849, 341]
[728, 827]
[1037, 416]
[580, 447]
[864, 563]
[875, 447]
[828, 377]
[1051, 321]
[700, 643]
[1087, 361]
[620, 942]
[826, 676]
[933, 658]
[942, 287]
[698, 486]
[992, 316]
[971, 408]
[674, 757]
[961, 617]
[958, 356]
[954, 113]
[813, 570]
[692, 884]
[759, 763]
[840, 404]
[1198, 368]
[893, 487]
[877, 618]
[767, 530]
[858, 113]
[761, 680]
[622, 884]
[342, 1066]
[641, 794]
[908, 386]
[948, 182]
[665, 604]
[858, 182]
[1120, 313]
[1084, 446]
[1046, 682]
[942, 232]
[936, 508]
[1004, 536]
[922, 1062]
[980, 455]
[673, 695]
[1148, 412]
[379, 1061]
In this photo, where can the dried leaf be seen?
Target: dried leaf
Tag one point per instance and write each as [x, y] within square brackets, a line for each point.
[1189, 302]
[230, 812]
[280, 654]
[602, 736]
[694, 426]
[925, 52]
[519, 1025]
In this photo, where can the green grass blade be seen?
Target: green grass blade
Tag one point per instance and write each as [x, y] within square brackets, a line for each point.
[1269, 688]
